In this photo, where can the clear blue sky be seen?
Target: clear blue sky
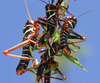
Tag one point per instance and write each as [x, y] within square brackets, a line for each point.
[13, 16]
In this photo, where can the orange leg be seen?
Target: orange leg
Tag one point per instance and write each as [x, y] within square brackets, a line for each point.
[78, 37]
[48, 35]
[44, 20]
[58, 54]
[24, 43]
[82, 40]
[32, 67]
[39, 36]
[46, 31]
[71, 14]
[63, 77]
[41, 50]
[52, 63]
[57, 70]
[30, 36]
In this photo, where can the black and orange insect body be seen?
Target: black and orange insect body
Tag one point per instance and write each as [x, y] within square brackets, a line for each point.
[28, 29]
[48, 59]
[67, 28]
[23, 62]
[31, 33]
[51, 15]
[70, 24]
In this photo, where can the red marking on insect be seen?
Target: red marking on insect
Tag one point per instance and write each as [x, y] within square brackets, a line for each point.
[19, 72]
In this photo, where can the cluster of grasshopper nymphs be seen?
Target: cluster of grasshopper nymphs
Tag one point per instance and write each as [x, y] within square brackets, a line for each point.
[33, 40]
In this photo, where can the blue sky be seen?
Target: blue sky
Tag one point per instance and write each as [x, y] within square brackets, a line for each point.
[13, 16]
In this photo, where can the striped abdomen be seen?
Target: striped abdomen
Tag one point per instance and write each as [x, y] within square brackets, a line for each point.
[23, 62]
[63, 39]
[50, 13]
[25, 51]
[65, 34]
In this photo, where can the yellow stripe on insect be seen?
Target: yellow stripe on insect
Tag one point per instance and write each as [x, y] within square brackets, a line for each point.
[50, 10]
[27, 26]
[70, 24]
[31, 29]
[51, 16]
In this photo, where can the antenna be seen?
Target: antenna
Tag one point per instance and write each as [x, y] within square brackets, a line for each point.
[84, 13]
[53, 2]
[27, 10]
[49, 1]
[44, 1]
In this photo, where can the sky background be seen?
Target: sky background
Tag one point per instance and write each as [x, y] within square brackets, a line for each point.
[13, 16]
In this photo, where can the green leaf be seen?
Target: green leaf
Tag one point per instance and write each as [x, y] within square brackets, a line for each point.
[46, 71]
[65, 4]
[43, 32]
[30, 48]
[73, 59]
[56, 36]
[32, 71]
[45, 39]
[51, 68]
[35, 48]
[31, 52]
